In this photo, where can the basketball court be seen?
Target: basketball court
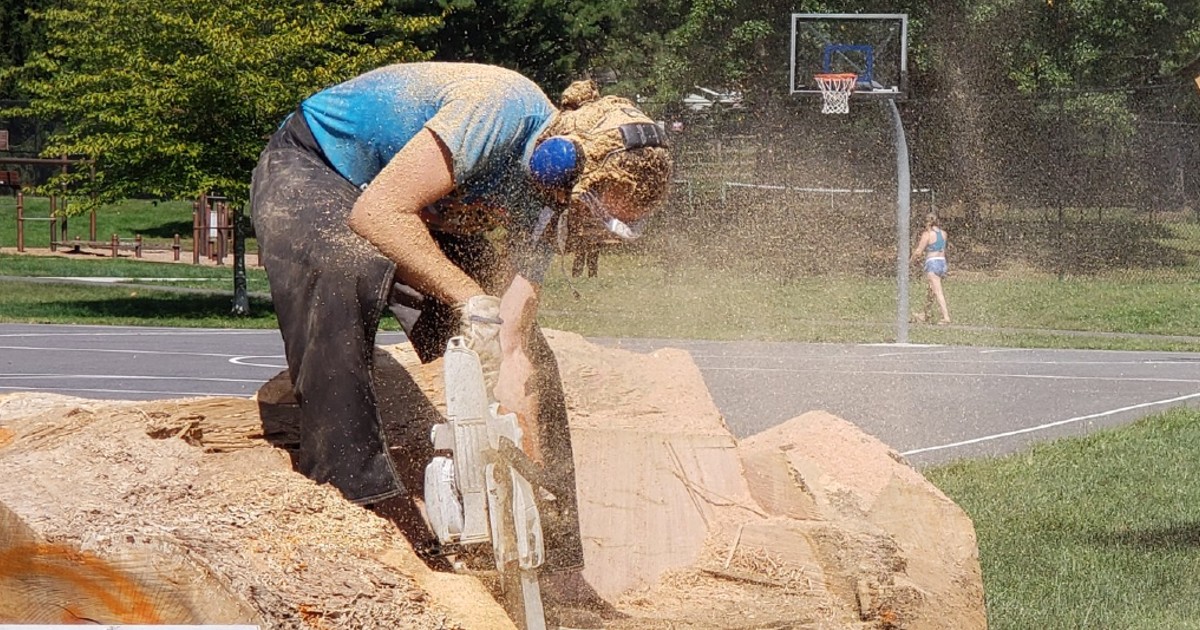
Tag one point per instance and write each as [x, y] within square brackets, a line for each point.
[931, 403]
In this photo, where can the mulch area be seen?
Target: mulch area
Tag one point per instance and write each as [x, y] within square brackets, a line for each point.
[148, 255]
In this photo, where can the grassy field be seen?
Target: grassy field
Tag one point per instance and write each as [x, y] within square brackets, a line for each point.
[150, 273]
[1094, 532]
[29, 302]
[156, 221]
[634, 296]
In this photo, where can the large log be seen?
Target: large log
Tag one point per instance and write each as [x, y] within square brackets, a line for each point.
[811, 524]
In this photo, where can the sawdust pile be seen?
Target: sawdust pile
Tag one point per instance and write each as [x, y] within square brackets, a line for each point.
[193, 503]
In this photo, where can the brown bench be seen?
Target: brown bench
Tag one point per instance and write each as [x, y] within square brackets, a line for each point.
[10, 178]
[116, 244]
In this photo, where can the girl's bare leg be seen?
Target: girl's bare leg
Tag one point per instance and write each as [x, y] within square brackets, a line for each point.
[935, 287]
[927, 309]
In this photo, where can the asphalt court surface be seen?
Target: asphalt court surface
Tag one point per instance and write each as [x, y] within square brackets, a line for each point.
[931, 403]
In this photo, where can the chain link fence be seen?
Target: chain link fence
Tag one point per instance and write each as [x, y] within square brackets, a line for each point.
[1069, 184]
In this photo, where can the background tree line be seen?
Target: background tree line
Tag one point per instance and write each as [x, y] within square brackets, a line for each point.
[175, 97]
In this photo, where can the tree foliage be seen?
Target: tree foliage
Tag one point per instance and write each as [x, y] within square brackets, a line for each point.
[551, 41]
[19, 37]
[173, 97]
[176, 97]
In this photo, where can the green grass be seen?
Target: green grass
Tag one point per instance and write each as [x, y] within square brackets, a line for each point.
[29, 302]
[1094, 532]
[156, 221]
[636, 296]
[204, 276]
[735, 299]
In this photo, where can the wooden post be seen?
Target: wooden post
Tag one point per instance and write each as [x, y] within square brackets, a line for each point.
[92, 221]
[53, 220]
[115, 244]
[241, 299]
[205, 211]
[175, 248]
[222, 231]
[20, 222]
[196, 232]
[137, 246]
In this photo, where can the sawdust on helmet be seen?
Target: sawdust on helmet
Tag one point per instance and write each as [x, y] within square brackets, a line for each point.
[640, 175]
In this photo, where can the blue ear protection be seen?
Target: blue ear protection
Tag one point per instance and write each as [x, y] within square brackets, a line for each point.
[556, 162]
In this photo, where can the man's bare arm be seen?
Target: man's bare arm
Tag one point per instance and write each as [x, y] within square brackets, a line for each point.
[388, 215]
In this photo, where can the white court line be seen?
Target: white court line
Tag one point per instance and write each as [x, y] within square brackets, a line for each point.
[910, 354]
[149, 332]
[112, 351]
[122, 391]
[933, 359]
[15, 377]
[1048, 425]
[1049, 377]
[243, 361]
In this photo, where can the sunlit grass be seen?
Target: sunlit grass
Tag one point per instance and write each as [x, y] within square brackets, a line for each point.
[204, 276]
[1094, 532]
[634, 296]
[38, 303]
[643, 296]
[156, 221]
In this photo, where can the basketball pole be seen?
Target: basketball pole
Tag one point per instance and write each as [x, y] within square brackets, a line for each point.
[903, 194]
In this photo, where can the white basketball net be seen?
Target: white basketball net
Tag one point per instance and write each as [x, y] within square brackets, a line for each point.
[836, 90]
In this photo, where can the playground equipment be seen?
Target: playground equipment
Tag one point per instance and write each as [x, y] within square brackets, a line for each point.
[212, 228]
[12, 179]
[21, 219]
[59, 239]
[213, 221]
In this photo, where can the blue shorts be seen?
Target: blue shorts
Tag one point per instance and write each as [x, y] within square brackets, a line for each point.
[936, 266]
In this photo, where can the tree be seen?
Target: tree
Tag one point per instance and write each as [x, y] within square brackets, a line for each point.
[18, 38]
[666, 47]
[550, 41]
[177, 97]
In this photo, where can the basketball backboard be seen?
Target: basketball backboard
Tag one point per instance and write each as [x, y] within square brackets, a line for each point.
[873, 46]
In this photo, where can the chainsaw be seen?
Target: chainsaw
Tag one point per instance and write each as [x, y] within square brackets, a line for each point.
[480, 488]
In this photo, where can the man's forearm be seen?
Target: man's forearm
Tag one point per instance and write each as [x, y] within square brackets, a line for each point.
[420, 263]
[518, 310]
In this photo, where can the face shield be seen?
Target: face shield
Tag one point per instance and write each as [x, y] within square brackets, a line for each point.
[590, 220]
[600, 213]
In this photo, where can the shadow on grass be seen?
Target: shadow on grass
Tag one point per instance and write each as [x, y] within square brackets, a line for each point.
[168, 230]
[150, 308]
[1175, 536]
[1076, 246]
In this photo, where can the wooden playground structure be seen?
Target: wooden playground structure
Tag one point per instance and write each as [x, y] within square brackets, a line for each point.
[212, 230]
[213, 218]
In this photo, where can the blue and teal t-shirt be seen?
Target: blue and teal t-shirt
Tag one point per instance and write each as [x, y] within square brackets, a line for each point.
[488, 117]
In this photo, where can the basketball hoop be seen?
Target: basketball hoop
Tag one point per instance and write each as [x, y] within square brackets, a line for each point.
[836, 90]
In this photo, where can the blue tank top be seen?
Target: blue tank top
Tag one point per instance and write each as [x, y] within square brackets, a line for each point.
[488, 117]
[938, 244]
